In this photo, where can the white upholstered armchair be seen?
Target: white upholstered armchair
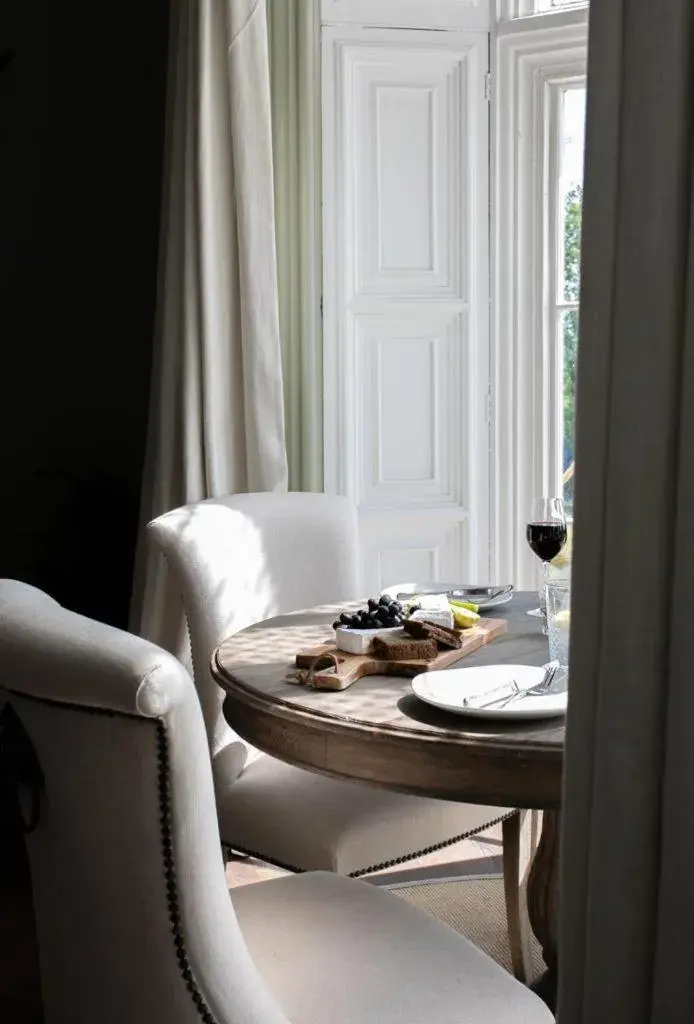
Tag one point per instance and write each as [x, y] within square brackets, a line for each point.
[244, 558]
[134, 919]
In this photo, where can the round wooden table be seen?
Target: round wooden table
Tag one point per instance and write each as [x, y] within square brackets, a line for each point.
[377, 732]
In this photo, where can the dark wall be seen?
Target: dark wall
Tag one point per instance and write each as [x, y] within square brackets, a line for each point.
[81, 126]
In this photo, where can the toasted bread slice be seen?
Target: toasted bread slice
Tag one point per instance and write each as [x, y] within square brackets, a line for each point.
[405, 650]
[421, 629]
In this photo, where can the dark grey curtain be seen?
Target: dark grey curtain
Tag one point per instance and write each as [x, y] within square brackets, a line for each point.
[626, 946]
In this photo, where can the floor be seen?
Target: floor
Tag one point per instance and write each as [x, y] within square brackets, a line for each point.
[478, 856]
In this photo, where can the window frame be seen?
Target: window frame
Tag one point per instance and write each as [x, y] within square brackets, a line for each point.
[532, 59]
[509, 10]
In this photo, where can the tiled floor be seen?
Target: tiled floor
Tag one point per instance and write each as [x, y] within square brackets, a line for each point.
[478, 856]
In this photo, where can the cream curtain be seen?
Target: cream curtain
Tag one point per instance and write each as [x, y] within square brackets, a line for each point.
[217, 417]
[296, 132]
[627, 902]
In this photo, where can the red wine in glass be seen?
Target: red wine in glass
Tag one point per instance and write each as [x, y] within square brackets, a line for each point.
[546, 534]
[546, 539]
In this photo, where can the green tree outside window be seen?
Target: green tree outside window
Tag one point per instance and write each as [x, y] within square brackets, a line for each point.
[573, 205]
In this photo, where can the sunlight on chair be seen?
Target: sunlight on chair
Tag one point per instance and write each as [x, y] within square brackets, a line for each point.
[232, 565]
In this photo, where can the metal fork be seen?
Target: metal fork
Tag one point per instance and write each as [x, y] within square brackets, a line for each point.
[538, 690]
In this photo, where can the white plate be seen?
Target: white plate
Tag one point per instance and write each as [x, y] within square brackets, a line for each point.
[485, 597]
[448, 688]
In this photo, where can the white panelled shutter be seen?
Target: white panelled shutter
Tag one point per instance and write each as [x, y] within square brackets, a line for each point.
[406, 297]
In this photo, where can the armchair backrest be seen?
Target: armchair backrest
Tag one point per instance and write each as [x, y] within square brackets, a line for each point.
[134, 919]
[246, 557]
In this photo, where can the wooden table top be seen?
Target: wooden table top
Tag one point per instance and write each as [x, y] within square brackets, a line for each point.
[377, 731]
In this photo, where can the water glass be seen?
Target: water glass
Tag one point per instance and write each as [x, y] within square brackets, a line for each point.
[558, 603]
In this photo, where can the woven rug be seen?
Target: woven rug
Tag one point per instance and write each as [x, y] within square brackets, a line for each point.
[475, 908]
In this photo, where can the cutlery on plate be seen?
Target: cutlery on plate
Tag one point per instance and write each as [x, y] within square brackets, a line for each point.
[503, 697]
[539, 690]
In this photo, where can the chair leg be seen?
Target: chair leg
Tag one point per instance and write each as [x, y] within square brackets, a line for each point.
[521, 835]
[230, 853]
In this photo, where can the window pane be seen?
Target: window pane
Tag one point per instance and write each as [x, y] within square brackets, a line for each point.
[572, 127]
[571, 138]
[510, 9]
[552, 5]
[569, 336]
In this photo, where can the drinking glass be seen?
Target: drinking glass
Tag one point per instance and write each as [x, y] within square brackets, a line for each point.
[558, 603]
[546, 535]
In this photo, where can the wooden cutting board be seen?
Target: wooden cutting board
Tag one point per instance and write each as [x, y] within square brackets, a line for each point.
[331, 669]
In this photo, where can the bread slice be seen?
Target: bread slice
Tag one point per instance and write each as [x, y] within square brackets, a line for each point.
[421, 629]
[404, 650]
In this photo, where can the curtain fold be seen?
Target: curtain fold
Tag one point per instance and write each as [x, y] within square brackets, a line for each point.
[295, 77]
[628, 835]
[217, 409]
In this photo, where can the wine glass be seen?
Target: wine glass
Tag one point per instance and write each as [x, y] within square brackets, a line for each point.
[546, 535]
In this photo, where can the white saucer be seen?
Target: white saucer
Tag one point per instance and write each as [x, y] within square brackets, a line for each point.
[485, 598]
[448, 688]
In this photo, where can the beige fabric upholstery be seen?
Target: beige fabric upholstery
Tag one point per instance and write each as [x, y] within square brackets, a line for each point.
[247, 557]
[134, 920]
[307, 820]
[244, 558]
[117, 729]
[372, 957]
